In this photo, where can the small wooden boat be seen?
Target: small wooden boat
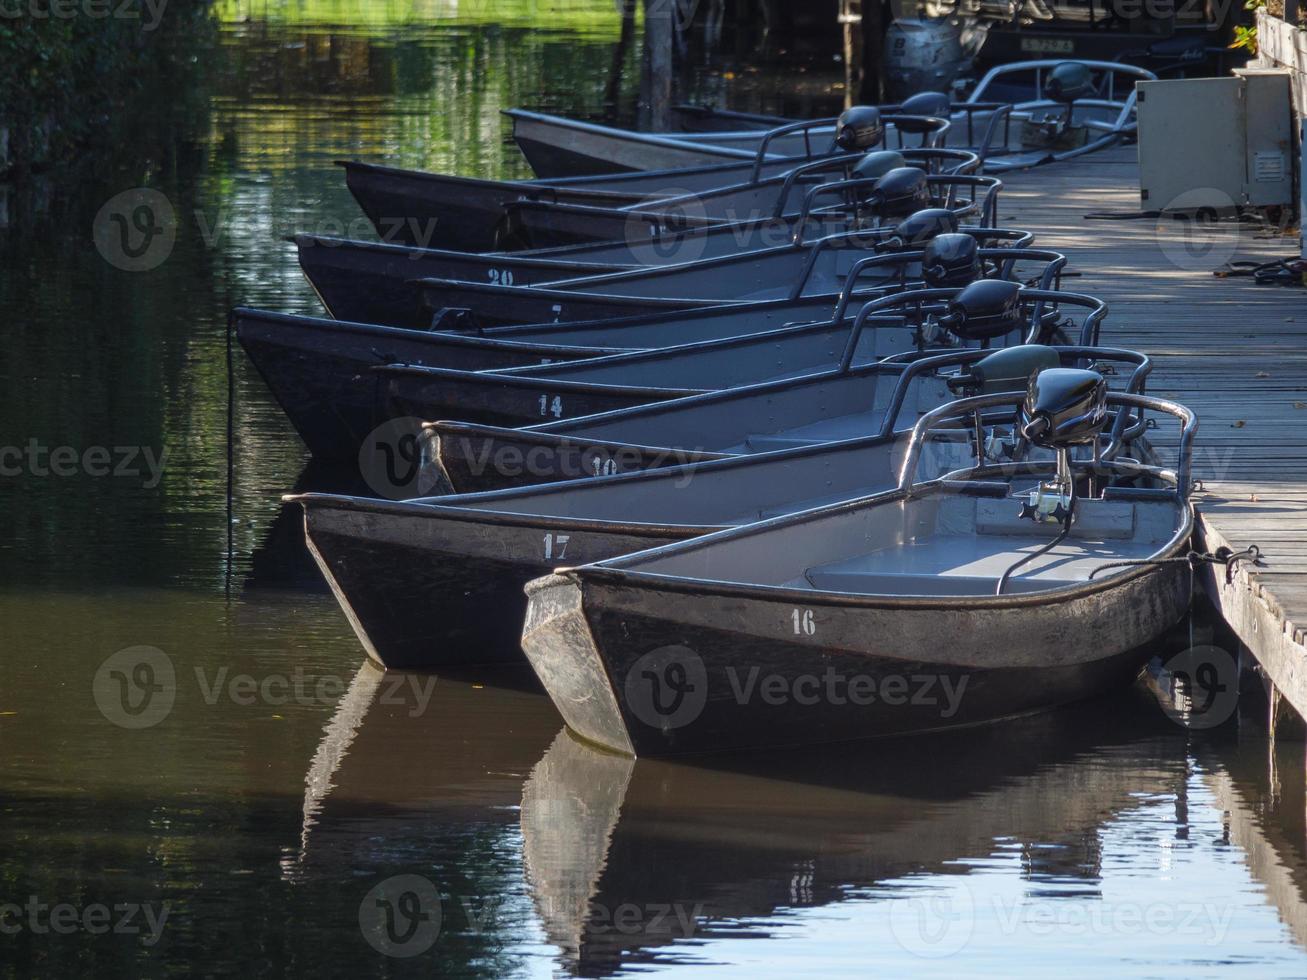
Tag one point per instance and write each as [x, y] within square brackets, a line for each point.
[1016, 601]
[764, 213]
[772, 272]
[556, 146]
[320, 370]
[986, 312]
[458, 456]
[417, 208]
[1018, 115]
[373, 282]
[465, 554]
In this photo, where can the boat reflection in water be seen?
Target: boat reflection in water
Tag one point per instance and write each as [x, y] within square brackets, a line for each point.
[627, 856]
[554, 854]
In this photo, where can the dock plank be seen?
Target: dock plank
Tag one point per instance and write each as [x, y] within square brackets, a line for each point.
[1233, 351]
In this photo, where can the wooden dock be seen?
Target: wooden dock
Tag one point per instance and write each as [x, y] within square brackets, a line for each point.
[1233, 351]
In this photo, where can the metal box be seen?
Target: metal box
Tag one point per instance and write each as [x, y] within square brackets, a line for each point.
[1216, 142]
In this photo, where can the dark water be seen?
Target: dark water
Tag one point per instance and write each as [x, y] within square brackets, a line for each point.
[259, 817]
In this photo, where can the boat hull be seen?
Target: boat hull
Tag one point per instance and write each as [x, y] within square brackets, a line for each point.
[370, 282]
[504, 399]
[425, 588]
[320, 371]
[746, 681]
[428, 210]
[458, 457]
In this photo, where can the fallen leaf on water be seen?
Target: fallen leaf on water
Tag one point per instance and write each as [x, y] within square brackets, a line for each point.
[1239, 425]
[1300, 404]
[1262, 374]
[1252, 497]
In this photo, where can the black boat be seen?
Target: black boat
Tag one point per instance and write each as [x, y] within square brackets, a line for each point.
[764, 213]
[426, 209]
[462, 555]
[1017, 608]
[320, 370]
[981, 314]
[799, 264]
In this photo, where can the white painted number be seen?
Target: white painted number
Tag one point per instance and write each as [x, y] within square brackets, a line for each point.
[556, 541]
[554, 407]
[804, 623]
[502, 277]
[604, 467]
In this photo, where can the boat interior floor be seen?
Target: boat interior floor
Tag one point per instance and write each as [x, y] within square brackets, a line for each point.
[970, 562]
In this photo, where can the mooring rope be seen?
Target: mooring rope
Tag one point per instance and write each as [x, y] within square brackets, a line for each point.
[1196, 559]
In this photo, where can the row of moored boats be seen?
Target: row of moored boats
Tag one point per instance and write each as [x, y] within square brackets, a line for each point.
[787, 440]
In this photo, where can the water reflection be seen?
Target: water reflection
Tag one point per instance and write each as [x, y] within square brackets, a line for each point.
[609, 843]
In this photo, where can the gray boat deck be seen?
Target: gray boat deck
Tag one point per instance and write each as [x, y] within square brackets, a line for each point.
[1233, 351]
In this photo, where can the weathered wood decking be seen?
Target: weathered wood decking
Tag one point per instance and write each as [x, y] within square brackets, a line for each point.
[1233, 351]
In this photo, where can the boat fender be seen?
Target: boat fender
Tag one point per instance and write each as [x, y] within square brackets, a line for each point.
[1005, 370]
[1069, 81]
[859, 128]
[878, 163]
[1064, 407]
[951, 260]
[919, 229]
[985, 310]
[902, 191]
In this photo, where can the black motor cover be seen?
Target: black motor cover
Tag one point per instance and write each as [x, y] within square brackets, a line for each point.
[923, 108]
[878, 164]
[1007, 369]
[918, 230]
[1069, 81]
[984, 310]
[936, 104]
[951, 260]
[859, 128]
[1064, 407]
[902, 191]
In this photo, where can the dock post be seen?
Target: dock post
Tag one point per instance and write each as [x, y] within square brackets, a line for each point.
[658, 43]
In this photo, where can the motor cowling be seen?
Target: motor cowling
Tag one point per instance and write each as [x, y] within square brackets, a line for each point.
[1069, 81]
[1064, 407]
[859, 128]
[951, 260]
[985, 310]
[920, 114]
[919, 229]
[937, 104]
[1008, 369]
[902, 191]
[878, 163]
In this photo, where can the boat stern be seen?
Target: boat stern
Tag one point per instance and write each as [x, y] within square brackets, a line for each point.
[562, 650]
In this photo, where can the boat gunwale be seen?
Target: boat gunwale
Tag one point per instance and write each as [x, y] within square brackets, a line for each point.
[610, 572]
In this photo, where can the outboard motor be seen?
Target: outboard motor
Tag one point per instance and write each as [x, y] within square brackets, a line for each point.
[951, 260]
[1009, 369]
[878, 163]
[923, 108]
[919, 229]
[984, 310]
[1069, 81]
[922, 53]
[1064, 407]
[859, 128]
[937, 104]
[902, 191]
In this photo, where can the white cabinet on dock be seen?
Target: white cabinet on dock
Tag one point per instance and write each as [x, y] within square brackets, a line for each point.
[1216, 142]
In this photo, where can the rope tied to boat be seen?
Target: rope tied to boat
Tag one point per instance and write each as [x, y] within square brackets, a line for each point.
[1228, 557]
